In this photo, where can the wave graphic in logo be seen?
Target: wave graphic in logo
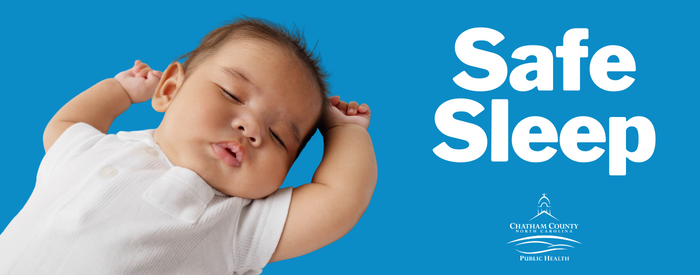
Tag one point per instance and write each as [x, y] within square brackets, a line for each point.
[537, 244]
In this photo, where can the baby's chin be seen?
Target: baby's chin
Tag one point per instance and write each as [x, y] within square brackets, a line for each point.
[246, 191]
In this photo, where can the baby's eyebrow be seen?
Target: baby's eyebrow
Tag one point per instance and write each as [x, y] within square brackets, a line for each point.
[235, 73]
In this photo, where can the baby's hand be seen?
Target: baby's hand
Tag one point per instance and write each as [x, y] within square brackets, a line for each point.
[139, 82]
[343, 113]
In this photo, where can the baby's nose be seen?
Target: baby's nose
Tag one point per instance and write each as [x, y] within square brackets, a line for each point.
[250, 130]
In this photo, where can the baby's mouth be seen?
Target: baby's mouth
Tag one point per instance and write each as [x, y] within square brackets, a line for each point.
[230, 152]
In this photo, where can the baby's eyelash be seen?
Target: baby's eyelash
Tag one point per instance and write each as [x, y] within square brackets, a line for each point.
[230, 95]
[278, 139]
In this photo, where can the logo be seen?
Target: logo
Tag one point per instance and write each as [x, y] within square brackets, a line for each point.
[546, 238]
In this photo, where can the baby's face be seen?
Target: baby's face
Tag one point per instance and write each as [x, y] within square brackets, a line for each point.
[239, 118]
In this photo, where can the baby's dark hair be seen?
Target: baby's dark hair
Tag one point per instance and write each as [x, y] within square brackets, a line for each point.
[255, 28]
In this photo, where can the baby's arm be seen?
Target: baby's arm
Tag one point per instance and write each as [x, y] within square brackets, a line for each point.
[102, 103]
[326, 209]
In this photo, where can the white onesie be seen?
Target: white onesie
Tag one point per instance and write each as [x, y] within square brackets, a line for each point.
[114, 204]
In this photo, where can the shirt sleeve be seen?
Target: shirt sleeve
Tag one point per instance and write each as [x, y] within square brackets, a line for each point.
[74, 141]
[259, 230]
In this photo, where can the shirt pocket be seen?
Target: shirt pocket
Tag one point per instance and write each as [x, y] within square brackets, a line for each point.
[180, 193]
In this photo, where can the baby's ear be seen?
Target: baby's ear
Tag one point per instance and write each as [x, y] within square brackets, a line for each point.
[167, 87]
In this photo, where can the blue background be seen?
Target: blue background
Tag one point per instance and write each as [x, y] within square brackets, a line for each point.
[427, 215]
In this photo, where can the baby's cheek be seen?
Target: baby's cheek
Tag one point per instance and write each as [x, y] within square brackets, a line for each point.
[275, 171]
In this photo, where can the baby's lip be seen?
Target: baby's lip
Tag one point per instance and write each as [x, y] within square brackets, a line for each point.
[230, 152]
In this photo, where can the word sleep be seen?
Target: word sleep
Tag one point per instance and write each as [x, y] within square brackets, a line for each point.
[569, 138]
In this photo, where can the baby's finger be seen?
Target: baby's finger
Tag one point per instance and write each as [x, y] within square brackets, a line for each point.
[352, 108]
[152, 79]
[342, 106]
[363, 108]
[144, 72]
[138, 66]
[153, 74]
[158, 74]
[334, 100]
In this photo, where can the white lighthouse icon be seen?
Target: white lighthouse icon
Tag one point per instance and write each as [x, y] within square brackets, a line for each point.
[544, 206]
